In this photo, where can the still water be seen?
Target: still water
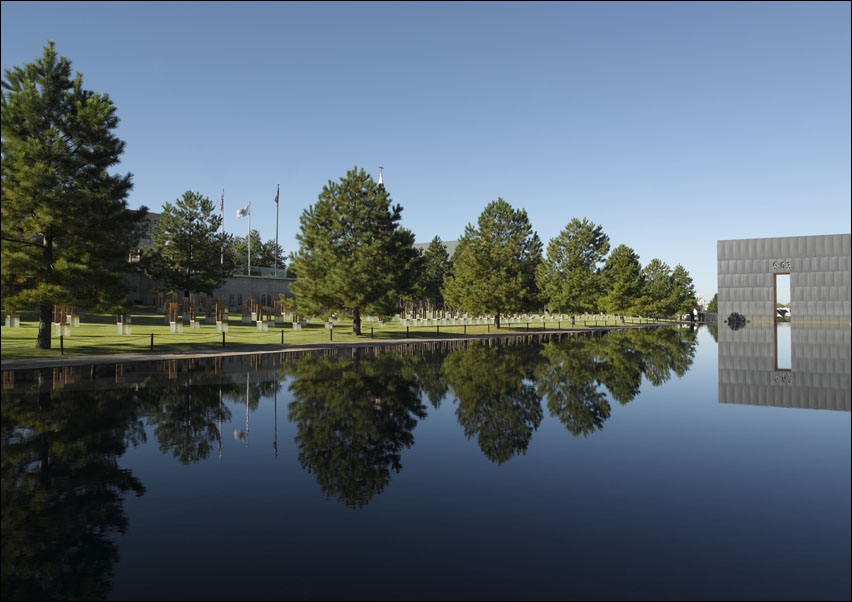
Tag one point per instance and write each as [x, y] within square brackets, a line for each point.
[654, 464]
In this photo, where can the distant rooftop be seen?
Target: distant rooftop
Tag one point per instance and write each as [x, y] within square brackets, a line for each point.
[449, 245]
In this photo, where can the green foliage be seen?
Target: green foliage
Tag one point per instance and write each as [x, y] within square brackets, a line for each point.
[713, 306]
[569, 378]
[683, 291]
[657, 291]
[64, 490]
[497, 400]
[66, 230]
[569, 278]
[190, 253]
[666, 292]
[353, 254]
[263, 254]
[494, 265]
[353, 420]
[435, 267]
[622, 281]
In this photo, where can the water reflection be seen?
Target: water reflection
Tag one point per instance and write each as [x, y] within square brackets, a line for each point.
[571, 376]
[63, 489]
[64, 431]
[353, 420]
[818, 377]
[497, 399]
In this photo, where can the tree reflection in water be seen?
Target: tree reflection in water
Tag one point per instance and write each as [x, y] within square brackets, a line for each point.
[353, 420]
[497, 402]
[575, 369]
[63, 489]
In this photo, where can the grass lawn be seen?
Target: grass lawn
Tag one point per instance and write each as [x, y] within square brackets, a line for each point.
[98, 334]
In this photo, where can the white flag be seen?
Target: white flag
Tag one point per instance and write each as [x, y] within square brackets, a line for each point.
[244, 211]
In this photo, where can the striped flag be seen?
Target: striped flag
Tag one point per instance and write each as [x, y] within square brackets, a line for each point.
[276, 197]
[222, 201]
[244, 211]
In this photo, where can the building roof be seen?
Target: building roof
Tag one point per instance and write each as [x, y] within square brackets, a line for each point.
[449, 245]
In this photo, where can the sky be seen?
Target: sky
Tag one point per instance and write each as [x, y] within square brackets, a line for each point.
[671, 125]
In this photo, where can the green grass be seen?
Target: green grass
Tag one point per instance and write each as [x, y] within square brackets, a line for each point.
[97, 334]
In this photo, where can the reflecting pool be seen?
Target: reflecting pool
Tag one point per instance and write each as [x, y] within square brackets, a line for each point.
[645, 464]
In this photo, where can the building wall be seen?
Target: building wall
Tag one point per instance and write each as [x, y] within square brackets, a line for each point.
[236, 289]
[820, 376]
[263, 290]
[820, 269]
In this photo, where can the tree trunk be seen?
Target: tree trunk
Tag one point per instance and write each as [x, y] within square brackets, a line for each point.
[497, 319]
[45, 320]
[356, 322]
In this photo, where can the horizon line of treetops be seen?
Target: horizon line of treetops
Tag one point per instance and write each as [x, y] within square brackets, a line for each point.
[355, 256]
[67, 234]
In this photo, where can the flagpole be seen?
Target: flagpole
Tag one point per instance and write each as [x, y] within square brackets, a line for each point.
[222, 211]
[249, 240]
[277, 190]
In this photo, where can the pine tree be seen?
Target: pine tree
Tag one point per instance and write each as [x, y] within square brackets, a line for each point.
[353, 254]
[623, 281]
[190, 253]
[67, 232]
[682, 291]
[263, 254]
[493, 267]
[436, 266]
[657, 290]
[569, 277]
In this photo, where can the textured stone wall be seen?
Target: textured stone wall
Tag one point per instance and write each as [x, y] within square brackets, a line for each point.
[820, 376]
[819, 269]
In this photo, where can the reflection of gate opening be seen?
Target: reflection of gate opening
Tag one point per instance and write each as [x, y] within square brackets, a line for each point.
[783, 338]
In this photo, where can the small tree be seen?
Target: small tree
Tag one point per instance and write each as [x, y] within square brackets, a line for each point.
[493, 268]
[190, 253]
[263, 254]
[67, 232]
[353, 254]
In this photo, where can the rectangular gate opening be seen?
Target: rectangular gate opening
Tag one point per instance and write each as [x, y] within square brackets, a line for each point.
[783, 311]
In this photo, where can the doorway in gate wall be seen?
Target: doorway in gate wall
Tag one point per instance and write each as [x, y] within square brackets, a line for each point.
[783, 334]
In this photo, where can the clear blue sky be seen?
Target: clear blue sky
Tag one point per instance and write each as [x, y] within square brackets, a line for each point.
[671, 125]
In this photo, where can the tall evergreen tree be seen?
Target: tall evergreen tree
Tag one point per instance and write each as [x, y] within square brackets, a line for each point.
[657, 290]
[713, 306]
[436, 266]
[190, 252]
[682, 291]
[569, 277]
[623, 281]
[494, 265]
[67, 232]
[353, 254]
